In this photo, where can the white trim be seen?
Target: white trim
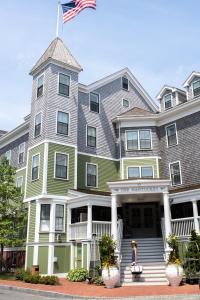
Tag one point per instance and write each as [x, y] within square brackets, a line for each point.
[38, 77]
[190, 78]
[138, 134]
[27, 234]
[98, 156]
[140, 157]
[172, 163]
[90, 102]
[32, 180]
[164, 101]
[26, 175]
[68, 113]
[75, 168]
[21, 169]
[21, 128]
[198, 80]
[69, 85]
[53, 142]
[41, 127]
[86, 184]
[37, 229]
[169, 146]
[62, 153]
[64, 218]
[140, 170]
[24, 145]
[87, 125]
[45, 168]
[158, 171]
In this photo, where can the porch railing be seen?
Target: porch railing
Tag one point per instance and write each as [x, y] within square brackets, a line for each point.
[182, 227]
[78, 231]
[101, 228]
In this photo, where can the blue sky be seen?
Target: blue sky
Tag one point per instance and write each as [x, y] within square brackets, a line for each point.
[157, 39]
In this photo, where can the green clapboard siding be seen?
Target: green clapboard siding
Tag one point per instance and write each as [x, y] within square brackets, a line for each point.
[141, 163]
[79, 255]
[63, 254]
[108, 170]
[58, 186]
[30, 257]
[34, 188]
[31, 234]
[43, 237]
[85, 256]
[43, 259]
[21, 173]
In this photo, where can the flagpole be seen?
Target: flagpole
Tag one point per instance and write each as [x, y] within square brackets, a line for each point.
[58, 19]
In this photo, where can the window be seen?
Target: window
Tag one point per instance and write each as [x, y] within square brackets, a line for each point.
[171, 135]
[38, 121]
[175, 173]
[168, 101]
[45, 217]
[35, 166]
[94, 102]
[133, 172]
[146, 172]
[125, 103]
[61, 168]
[64, 84]
[138, 140]
[8, 156]
[21, 153]
[62, 123]
[91, 175]
[140, 172]
[125, 83]
[19, 182]
[59, 222]
[40, 85]
[196, 88]
[91, 136]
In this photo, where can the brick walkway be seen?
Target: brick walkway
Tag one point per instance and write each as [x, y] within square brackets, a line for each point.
[84, 289]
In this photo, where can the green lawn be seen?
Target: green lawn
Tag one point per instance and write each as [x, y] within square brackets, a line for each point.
[7, 276]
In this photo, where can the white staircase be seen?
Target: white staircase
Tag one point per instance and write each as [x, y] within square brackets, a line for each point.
[150, 255]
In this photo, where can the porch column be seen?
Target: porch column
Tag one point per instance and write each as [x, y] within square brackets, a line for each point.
[89, 223]
[114, 217]
[69, 216]
[195, 214]
[167, 213]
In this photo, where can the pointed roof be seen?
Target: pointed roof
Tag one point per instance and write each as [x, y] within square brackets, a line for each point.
[57, 52]
[137, 112]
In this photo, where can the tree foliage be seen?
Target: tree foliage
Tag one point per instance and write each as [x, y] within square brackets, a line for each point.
[192, 264]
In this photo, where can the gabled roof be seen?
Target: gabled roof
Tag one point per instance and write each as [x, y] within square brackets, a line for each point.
[120, 73]
[171, 88]
[136, 112]
[57, 52]
[191, 77]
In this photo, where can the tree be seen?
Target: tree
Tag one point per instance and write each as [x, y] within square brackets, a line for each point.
[13, 213]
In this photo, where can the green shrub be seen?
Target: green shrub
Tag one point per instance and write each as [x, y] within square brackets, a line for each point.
[49, 280]
[107, 249]
[21, 273]
[98, 280]
[78, 275]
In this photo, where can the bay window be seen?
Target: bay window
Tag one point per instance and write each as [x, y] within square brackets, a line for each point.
[138, 140]
[45, 217]
[59, 218]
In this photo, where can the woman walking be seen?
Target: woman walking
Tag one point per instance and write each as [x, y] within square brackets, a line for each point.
[134, 252]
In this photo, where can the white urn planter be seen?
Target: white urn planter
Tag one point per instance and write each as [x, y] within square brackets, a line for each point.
[110, 277]
[174, 274]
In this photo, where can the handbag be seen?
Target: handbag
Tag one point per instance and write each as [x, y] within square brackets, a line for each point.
[136, 269]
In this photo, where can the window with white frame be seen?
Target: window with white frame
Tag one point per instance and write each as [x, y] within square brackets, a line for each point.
[8, 156]
[19, 182]
[196, 88]
[64, 85]
[91, 136]
[91, 175]
[94, 102]
[168, 101]
[45, 217]
[126, 103]
[62, 123]
[40, 86]
[38, 123]
[59, 218]
[61, 166]
[35, 166]
[175, 172]
[138, 140]
[140, 172]
[171, 135]
[125, 83]
[21, 153]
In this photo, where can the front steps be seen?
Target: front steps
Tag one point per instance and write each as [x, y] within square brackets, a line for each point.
[150, 255]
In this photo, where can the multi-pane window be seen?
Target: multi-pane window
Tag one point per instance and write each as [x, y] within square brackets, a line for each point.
[138, 140]
[171, 135]
[59, 220]
[168, 101]
[19, 182]
[35, 166]
[140, 172]
[45, 217]
[196, 88]
[64, 84]
[40, 86]
[125, 83]
[94, 102]
[91, 175]
[91, 136]
[38, 122]
[175, 172]
[8, 156]
[61, 166]
[125, 103]
[62, 123]
[21, 153]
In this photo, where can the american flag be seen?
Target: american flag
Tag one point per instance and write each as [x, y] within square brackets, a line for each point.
[74, 7]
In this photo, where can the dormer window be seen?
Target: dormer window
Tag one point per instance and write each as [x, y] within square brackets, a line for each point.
[196, 88]
[168, 101]
[125, 83]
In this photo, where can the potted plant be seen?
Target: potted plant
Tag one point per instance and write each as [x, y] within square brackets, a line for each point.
[174, 270]
[110, 271]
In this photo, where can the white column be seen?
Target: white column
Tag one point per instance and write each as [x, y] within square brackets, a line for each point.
[37, 230]
[69, 216]
[89, 222]
[51, 239]
[195, 214]
[167, 214]
[114, 217]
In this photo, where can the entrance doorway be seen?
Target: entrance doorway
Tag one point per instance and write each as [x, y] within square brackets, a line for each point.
[141, 220]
